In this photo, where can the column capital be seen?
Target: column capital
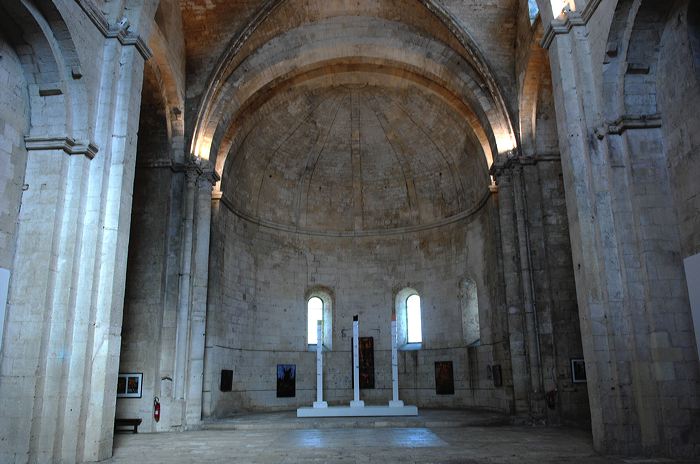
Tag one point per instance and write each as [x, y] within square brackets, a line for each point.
[207, 179]
[567, 21]
[119, 31]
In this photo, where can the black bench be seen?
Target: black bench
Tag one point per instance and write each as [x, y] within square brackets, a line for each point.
[127, 423]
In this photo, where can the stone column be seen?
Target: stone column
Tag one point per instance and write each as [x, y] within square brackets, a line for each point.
[632, 305]
[61, 354]
[510, 249]
[104, 258]
[199, 282]
[39, 310]
[183, 307]
[530, 315]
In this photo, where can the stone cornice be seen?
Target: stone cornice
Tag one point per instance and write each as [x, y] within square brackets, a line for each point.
[572, 18]
[66, 144]
[197, 171]
[515, 161]
[634, 121]
[464, 215]
[124, 37]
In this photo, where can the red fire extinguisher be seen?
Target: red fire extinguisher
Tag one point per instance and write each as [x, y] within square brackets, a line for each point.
[156, 409]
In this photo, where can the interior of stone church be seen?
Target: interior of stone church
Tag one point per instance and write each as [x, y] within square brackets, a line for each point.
[349, 231]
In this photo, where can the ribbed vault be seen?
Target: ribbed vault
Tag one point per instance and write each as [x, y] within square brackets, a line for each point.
[354, 155]
[353, 159]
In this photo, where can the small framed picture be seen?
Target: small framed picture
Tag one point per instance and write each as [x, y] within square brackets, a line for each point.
[497, 375]
[578, 370]
[129, 385]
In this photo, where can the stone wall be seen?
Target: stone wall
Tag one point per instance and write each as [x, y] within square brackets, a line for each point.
[257, 311]
[679, 96]
[14, 121]
[620, 157]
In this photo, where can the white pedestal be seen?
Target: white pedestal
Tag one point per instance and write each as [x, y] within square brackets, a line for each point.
[357, 407]
[356, 403]
[366, 411]
[319, 403]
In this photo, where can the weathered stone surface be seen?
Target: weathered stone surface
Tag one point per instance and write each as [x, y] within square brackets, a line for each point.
[171, 218]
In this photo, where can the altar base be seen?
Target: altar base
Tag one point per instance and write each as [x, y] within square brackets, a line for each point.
[366, 411]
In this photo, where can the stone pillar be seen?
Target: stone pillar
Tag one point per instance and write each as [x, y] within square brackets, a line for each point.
[60, 357]
[199, 282]
[530, 316]
[632, 306]
[107, 227]
[183, 307]
[39, 311]
[510, 250]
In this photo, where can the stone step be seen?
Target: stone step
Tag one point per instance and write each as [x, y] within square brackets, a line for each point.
[429, 418]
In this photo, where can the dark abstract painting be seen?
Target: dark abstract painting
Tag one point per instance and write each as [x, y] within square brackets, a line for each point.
[444, 378]
[286, 380]
[366, 350]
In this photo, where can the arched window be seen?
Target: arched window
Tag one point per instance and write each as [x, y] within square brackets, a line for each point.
[314, 309]
[533, 9]
[319, 305]
[408, 319]
[414, 333]
[470, 312]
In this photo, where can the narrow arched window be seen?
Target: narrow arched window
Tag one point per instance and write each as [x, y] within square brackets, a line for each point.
[413, 320]
[470, 313]
[533, 10]
[314, 308]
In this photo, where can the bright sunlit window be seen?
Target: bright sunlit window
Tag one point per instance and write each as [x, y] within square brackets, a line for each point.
[315, 313]
[533, 9]
[414, 334]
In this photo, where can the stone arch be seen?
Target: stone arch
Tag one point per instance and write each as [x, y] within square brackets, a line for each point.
[171, 89]
[52, 68]
[464, 66]
[538, 127]
[44, 99]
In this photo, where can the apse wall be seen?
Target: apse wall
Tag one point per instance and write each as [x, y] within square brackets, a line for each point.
[256, 319]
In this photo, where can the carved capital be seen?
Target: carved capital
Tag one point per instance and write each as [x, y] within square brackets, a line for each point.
[119, 31]
[571, 19]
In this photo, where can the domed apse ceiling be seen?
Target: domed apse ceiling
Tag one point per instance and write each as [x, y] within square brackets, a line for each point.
[354, 157]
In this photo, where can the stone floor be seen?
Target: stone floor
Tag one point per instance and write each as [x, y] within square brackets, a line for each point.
[446, 437]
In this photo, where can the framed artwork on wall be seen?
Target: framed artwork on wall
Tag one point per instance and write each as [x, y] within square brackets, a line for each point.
[226, 383]
[366, 350]
[497, 375]
[444, 378]
[130, 385]
[286, 380]
[578, 370]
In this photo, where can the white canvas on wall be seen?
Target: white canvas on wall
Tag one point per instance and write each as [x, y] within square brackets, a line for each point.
[692, 275]
[4, 286]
